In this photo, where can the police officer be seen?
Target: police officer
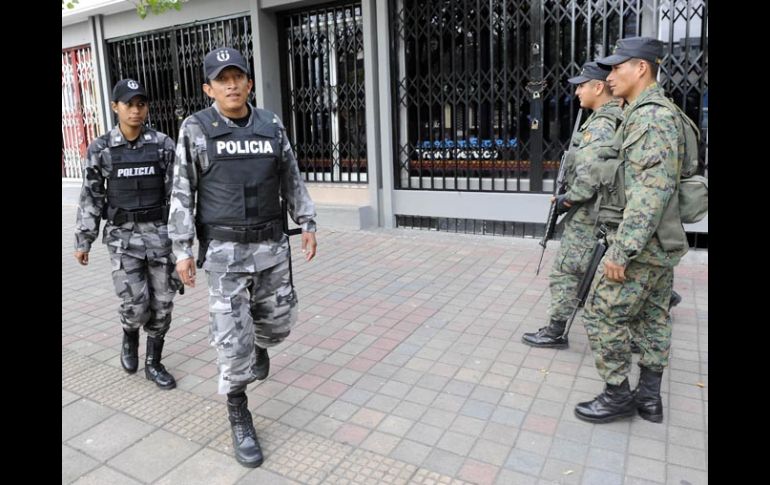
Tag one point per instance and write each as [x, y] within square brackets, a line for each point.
[578, 237]
[136, 163]
[238, 160]
[632, 288]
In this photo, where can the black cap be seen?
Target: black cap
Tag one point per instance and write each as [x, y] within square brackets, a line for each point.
[591, 70]
[125, 89]
[645, 48]
[221, 58]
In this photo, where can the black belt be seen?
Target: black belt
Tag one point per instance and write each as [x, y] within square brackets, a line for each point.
[147, 215]
[251, 234]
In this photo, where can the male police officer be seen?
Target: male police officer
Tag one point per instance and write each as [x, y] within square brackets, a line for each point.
[238, 159]
[632, 289]
[578, 238]
[136, 163]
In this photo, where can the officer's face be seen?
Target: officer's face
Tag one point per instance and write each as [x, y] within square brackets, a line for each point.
[133, 113]
[230, 89]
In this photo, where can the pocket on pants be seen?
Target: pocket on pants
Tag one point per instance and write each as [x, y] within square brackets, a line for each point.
[116, 262]
[576, 261]
[220, 304]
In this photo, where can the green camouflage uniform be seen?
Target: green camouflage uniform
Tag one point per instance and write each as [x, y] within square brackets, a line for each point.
[650, 149]
[578, 237]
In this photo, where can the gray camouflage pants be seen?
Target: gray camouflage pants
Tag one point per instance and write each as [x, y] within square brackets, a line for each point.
[245, 310]
[147, 288]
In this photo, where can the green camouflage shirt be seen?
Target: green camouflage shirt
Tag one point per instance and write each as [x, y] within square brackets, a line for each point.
[650, 149]
[598, 129]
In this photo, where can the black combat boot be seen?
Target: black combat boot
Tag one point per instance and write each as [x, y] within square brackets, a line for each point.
[263, 364]
[129, 351]
[245, 442]
[676, 298]
[614, 403]
[647, 395]
[153, 369]
[548, 337]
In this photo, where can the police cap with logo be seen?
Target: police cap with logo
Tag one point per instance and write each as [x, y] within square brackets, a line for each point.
[125, 89]
[221, 58]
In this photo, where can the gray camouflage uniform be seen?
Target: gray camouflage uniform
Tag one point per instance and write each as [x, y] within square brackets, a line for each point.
[251, 299]
[143, 266]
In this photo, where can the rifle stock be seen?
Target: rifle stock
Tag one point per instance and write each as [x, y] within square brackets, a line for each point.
[585, 283]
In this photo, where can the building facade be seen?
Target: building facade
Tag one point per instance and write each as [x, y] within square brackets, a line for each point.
[442, 114]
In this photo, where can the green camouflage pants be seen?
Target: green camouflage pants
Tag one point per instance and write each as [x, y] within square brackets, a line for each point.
[638, 305]
[571, 262]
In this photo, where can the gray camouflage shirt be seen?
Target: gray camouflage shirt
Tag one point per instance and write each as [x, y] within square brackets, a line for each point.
[138, 239]
[224, 256]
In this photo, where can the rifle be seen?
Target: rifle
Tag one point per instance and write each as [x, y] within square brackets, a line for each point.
[585, 283]
[289, 232]
[559, 187]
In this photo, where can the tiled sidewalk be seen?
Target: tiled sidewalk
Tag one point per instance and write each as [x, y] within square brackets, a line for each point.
[406, 366]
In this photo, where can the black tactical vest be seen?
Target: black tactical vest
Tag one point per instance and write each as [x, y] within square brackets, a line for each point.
[240, 186]
[137, 180]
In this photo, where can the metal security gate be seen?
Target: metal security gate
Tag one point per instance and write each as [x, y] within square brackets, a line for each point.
[169, 63]
[80, 115]
[324, 96]
[481, 101]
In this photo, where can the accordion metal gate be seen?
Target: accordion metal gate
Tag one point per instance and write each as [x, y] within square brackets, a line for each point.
[80, 117]
[169, 62]
[480, 97]
[323, 91]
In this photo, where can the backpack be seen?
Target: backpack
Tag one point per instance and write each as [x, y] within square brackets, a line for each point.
[693, 189]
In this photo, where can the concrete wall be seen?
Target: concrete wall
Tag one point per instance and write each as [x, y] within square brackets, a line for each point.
[129, 23]
[75, 35]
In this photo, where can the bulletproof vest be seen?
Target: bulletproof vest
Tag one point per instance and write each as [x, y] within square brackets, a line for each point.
[136, 180]
[240, 186]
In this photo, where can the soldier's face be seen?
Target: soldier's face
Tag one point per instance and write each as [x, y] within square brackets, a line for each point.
[586, 93]
[623, 78]
[132, 113]
[230, 89]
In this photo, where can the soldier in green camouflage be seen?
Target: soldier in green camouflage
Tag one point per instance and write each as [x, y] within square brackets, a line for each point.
[632, 288]
[578, 237]
[135, 163]
[238, 161]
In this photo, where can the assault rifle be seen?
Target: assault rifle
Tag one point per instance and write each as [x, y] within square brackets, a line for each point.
[559, 187]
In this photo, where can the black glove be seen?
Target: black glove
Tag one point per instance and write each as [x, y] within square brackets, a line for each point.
[561, 207]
